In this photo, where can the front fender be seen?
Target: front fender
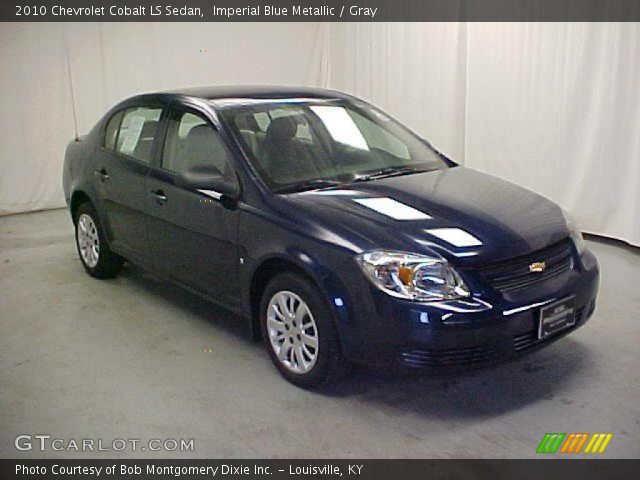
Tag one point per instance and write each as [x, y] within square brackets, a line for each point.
[314, 260]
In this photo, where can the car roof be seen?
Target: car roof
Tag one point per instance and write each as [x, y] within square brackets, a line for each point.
[222, 92]
[223, 96]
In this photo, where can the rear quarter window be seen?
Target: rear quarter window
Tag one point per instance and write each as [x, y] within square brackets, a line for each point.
[111, 131]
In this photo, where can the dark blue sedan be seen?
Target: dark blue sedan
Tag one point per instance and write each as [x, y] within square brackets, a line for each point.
[340, 235]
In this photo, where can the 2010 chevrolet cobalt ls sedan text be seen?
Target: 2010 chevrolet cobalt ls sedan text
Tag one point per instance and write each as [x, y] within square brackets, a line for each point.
[339, 234]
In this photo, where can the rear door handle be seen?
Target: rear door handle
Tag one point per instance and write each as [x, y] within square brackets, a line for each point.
[159, 196]
[102, 173]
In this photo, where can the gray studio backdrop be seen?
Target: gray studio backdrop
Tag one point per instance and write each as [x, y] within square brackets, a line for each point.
[551, 106]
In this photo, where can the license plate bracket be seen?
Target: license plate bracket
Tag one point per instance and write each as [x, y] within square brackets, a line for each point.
[557, 316]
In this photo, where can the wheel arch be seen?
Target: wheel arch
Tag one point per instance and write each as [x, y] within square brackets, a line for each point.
[323, 278]
[262, 275]
[78, 198]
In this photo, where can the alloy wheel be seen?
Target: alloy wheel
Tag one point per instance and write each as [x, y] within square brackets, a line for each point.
[88, 240]
[292, 331]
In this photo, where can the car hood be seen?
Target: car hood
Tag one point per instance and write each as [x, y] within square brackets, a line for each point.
[465, 215]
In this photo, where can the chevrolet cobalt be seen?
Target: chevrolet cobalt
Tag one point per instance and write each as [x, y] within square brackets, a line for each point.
[337, 233]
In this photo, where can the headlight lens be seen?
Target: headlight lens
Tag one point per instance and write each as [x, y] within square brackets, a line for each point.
[413, 277]
[574, 231]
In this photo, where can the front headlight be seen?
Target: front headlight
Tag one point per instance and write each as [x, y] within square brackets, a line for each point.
[412, 276]
[574, 232]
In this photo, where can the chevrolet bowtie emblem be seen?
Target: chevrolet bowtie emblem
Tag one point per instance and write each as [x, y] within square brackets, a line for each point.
[537, 267]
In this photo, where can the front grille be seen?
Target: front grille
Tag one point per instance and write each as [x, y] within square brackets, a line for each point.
[458, 356]
[515, 274]
[530, 339]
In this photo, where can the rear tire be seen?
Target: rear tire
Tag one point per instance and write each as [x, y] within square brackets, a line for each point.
[300, 333]
[96, 257]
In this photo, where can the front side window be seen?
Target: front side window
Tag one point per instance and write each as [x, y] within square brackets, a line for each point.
[296, 145]
[138, 131]
[191, 142]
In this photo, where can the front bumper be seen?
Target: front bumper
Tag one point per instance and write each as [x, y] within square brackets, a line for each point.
[383, 330]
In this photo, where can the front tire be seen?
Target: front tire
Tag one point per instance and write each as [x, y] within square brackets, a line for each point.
[96, 257]
[299, 332]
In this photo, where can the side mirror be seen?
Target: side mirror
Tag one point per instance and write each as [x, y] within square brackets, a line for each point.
[210, 180]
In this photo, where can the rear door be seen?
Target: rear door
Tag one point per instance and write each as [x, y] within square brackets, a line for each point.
[121, 169]
[193, 236]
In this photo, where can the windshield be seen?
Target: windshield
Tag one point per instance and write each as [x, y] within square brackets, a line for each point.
[298, 146]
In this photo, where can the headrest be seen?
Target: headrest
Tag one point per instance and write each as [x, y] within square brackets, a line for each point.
[247, 122]
[282, 129]
[149, 129]
[199, 133]
[203, 146]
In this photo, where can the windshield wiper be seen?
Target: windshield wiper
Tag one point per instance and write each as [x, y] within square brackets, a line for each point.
[387, 172]
[308, 185]
[326, 183]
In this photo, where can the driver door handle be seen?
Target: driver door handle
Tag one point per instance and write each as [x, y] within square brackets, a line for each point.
[102, 173]
[159, 196]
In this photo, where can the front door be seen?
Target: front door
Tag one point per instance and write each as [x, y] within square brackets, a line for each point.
[193, 236]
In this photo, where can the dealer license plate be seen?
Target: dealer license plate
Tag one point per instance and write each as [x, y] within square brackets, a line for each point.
[557, 316]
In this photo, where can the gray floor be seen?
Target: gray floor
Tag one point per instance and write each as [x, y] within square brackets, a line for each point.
[129, 358]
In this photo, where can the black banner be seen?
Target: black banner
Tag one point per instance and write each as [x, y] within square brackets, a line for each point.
[545, 469]
[320, 10]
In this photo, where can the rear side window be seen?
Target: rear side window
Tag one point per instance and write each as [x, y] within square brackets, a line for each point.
[138, 131]
[111, 132]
